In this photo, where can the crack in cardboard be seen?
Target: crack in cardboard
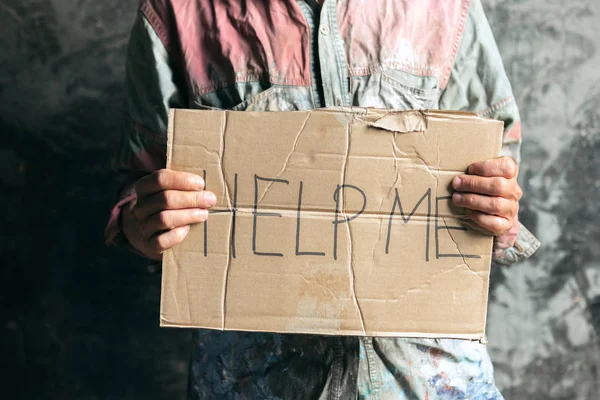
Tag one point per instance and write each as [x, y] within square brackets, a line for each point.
[395, 151]
[187, 290]
[229, 259]
[173, 287]
[226, 279]
[353, 279]
[425, 284]
[381, 202]
[285, 164]
[350, 247]
[426, 167]
[405, 156]
[378, 239]
[311, 281]
[178, 280]
[380, 229]
[222, 156]
[437, 176]
[197, 145]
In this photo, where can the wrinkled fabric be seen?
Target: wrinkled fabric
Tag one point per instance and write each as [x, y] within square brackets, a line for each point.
[294, 55]
[245, 365]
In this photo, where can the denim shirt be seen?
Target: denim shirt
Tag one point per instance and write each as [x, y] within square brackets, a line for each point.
[295, 55]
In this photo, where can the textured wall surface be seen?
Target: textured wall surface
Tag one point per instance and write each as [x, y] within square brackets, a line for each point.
[81, 321]
[544, 322]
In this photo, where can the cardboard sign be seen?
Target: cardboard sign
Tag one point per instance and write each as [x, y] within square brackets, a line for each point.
[335, 221]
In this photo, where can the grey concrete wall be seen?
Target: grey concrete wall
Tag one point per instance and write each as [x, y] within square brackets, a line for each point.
[81, 321]
[544, 321]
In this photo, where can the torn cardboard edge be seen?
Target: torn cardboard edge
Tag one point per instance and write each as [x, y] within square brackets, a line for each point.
[193, 147]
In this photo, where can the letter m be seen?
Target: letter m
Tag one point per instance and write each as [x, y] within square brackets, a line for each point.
[406, 219]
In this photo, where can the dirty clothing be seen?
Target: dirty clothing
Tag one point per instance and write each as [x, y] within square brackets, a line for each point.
[284, 55]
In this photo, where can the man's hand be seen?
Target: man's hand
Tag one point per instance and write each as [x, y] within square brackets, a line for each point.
[490, 193]
[168, 202]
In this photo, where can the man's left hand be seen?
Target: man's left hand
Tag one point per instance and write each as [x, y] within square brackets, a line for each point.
[490, 193]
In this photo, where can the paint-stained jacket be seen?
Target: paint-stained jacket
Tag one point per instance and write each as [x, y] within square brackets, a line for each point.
[274, 55]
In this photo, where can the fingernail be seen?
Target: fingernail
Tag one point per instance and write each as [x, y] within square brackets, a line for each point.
[199, 213]
[457, 197]
[456, 182]
[211, 199]
[198, 182]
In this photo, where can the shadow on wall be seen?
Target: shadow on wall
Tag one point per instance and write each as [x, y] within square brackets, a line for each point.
[79, 320]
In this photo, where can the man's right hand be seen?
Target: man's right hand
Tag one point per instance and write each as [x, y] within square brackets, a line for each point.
[168, 202]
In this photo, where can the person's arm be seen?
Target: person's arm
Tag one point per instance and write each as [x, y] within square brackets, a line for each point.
[156, 206]
[490, 192]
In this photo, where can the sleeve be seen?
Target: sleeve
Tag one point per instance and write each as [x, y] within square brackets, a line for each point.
[150, 91]
[478, 83]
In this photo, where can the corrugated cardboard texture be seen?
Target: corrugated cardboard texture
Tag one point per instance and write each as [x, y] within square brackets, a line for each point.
[333, 221]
